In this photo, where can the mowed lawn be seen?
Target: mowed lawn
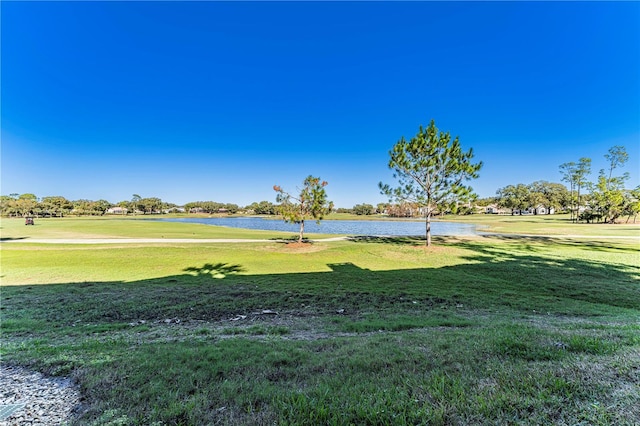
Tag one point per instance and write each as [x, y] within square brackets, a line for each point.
[485, 330]
[117, 227]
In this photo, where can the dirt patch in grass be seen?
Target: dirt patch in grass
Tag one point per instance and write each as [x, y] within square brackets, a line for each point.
[304, 247]
[287, 247]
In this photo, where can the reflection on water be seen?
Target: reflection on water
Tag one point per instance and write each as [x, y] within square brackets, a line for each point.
[348, 227]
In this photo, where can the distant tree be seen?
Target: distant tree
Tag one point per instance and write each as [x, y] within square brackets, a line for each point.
[136, 205]
[606, 202]
[5, 204]
[56, 205]
[125, 205]
[210, 207]
[27, 205]
[170, 207]
[10, 205]
[81, 207]
[192, 207]
[28, 196]
[484, 202]
[430, 168]
[382, 207]
[569, 175]
[553, 195]
[616, 157]
[311, 203]
[88, 207]
[535, 198]
[583, 169]
[363, 209]
[608, 196]
[231, 208]
[575, 174]
[403, 209]
[632, 203]
[344, 210]
[150, 205]
[262, 207]
[101, 206]
[514, 197]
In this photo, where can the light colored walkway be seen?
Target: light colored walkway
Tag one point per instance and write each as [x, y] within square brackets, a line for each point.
[239, 240]
[152, 240]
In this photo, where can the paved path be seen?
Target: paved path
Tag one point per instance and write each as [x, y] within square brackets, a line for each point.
[153, 240]
[239, 240]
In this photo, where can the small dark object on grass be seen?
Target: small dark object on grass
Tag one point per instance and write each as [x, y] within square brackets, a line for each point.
[28, 221]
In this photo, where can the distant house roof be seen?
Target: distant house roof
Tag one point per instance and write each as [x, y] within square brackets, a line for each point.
[117, 209]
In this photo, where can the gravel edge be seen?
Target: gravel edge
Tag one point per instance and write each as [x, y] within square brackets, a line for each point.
[48, 400]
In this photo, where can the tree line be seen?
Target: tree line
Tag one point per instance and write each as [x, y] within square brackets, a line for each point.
[58, 206]
[604, 200]
[20, 205]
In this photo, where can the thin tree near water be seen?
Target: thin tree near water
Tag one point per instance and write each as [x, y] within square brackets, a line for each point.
[575, 175]
[430, 168]
[311, 203]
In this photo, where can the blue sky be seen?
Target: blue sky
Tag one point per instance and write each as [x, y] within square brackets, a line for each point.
[219, 101]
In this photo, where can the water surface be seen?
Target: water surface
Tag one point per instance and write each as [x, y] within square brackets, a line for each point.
[348, 227]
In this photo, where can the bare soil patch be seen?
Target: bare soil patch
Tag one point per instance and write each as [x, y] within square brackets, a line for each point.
[304, 247]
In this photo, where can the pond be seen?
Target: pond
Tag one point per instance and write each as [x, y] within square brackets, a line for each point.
[348, 227]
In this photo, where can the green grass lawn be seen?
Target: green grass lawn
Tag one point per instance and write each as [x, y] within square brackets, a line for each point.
[376, 331]
[130, 227]
[547, 225]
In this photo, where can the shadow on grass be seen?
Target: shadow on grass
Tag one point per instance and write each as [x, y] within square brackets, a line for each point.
[490, 279]
[530, 243]
[218, 270]
[397, 241]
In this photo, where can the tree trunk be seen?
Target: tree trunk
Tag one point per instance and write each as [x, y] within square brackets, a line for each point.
[301, 231]
[428, 228]
[578, 207]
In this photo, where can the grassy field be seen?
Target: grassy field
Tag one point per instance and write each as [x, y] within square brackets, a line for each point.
[132, 227]
[486, 330]
[547, 225]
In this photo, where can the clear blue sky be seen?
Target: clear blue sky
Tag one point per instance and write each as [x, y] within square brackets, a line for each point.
[220, 101]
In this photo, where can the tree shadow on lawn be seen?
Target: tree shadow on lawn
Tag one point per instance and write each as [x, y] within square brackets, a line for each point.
[218, 270]
[539, 243]
[489, 280]
[533, 243]
[397, 241]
